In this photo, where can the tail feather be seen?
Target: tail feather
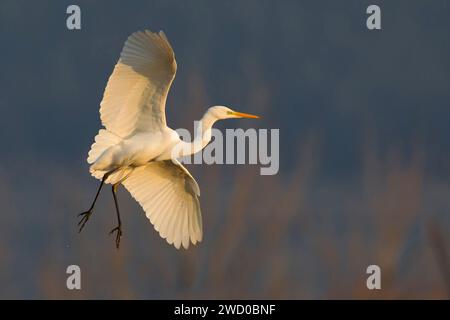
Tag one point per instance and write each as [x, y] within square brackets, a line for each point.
[119, 175]
[103, 140]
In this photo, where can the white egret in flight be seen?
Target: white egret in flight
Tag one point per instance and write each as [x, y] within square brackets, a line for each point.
[137, 149]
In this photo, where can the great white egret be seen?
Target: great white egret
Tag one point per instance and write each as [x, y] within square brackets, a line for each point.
[137, 149]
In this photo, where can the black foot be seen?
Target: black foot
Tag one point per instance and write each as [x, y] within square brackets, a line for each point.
[118, 235]
[84, 218]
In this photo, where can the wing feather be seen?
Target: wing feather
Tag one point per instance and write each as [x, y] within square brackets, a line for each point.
[135, 96]
[169, 196]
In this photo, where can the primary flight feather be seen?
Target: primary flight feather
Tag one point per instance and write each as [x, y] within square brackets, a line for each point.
[137, 149]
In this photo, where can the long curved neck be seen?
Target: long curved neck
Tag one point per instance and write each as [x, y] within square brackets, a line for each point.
[202, 135]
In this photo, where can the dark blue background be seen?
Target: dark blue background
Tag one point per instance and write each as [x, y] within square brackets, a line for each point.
[355, 105]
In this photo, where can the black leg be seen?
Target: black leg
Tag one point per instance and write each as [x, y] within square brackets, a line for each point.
[117, 229]
[87, 214]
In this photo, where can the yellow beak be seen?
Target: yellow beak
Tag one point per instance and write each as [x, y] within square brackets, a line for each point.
[245, 115]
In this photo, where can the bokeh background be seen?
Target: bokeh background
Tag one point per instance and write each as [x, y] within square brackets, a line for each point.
[364, 151]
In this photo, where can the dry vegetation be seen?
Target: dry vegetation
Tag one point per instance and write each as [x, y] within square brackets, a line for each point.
[286, 236]
[293, 235]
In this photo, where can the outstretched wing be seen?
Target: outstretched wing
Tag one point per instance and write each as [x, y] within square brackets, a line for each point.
[135, 96]
[169, 196]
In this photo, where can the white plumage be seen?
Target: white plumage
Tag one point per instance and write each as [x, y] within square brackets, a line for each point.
[136, 147]
[135, 96]
[169, 196]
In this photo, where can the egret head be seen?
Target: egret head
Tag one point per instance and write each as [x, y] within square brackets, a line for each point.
[222, 112]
